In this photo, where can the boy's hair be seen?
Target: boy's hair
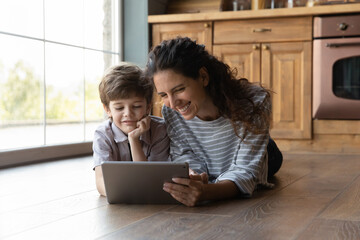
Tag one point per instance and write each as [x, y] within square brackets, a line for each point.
[123, 81]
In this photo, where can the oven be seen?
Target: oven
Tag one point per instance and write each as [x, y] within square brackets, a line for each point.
[336, 67]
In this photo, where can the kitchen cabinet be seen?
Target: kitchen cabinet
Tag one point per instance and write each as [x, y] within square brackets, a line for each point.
[199, 31]
[284, 66]
[277, 54]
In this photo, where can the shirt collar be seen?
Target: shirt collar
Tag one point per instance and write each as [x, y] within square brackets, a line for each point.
[119, 136]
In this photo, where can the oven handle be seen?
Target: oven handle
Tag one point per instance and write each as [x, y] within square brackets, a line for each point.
[335, 45]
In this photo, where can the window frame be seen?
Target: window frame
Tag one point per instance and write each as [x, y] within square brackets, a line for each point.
[21, 156]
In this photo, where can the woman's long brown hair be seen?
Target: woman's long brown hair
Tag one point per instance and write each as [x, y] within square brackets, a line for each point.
[233, 97]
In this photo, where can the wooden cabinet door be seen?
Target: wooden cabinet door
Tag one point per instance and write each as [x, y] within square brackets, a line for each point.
[199, 31]
[286, 70]
[244, 57]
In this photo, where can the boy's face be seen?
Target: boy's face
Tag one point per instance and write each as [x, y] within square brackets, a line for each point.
[127, 112]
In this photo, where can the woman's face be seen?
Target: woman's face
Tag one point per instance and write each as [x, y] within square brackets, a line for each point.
[185, 95]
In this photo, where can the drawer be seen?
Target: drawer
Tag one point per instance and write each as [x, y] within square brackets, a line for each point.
[263, 30]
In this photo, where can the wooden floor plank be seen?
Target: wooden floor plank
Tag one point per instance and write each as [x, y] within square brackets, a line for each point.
[71, 205]
[277, 217]
[44, 182]
[167, 225]
[13, 222]
[91, 224]
[325, 178]
[16, 222]
[346, 206]
[323, 229]
[317, 186]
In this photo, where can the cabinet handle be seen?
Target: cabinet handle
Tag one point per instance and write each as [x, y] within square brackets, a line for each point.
[206, 25]
[256, 47]
[336, 45]
[262, 30]
[265, 47]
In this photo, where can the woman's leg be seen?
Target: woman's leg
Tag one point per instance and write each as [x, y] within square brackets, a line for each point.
[275, 158]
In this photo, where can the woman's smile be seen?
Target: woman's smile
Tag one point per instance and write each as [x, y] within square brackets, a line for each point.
[183, 109]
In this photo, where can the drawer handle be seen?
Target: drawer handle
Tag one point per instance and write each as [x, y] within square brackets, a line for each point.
[336, 45]
[262, 30]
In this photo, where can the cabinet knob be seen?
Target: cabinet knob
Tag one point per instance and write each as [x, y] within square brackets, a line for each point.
[206, 25]
[343, 26]
[256, 47]
[265, 47]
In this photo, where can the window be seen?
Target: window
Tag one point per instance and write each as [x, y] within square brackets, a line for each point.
[53, 55]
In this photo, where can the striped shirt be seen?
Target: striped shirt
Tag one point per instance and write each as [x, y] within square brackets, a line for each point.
[213, 147]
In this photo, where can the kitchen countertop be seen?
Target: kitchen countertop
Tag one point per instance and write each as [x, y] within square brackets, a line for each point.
[262, 13]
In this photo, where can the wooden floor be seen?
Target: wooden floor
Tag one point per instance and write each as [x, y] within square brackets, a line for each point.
[317, 196]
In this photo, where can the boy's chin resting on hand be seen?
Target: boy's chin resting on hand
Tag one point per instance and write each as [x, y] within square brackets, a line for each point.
[142, 126]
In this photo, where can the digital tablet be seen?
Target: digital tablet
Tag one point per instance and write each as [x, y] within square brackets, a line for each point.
[141, 182]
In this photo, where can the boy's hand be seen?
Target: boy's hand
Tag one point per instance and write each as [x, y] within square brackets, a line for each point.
[143, 125]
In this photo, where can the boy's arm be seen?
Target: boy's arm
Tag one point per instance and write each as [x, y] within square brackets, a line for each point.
[99, 181]
[136, 150]
[134, 141]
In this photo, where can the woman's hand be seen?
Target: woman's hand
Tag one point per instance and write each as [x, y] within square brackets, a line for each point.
[142, 126]
[188, 191]
[201, 177]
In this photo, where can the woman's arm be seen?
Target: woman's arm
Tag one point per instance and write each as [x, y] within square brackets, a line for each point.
[250, 165]
[99, 181]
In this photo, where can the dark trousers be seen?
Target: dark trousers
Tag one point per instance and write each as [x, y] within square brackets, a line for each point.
[275, 158]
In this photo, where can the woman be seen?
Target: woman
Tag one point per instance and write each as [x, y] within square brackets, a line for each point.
[215, 122]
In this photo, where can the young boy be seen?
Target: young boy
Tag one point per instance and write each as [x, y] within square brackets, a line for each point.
[129, 134]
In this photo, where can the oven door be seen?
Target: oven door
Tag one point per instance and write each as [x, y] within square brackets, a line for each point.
[336, 78]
